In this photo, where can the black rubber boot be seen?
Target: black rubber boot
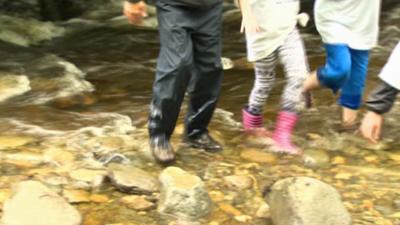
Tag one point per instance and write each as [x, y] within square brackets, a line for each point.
[203, 141]
[161, 149]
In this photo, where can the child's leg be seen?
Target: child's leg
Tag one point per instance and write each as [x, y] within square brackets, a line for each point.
[295, 63]
[353, 88]
[293, 57]
[264, 80]
[336, 70]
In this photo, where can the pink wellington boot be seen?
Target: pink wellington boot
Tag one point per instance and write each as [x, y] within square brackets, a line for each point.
[253, 123]
[281, 137]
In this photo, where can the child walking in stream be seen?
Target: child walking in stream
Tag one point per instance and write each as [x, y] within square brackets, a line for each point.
[271, 34]
[349, 29]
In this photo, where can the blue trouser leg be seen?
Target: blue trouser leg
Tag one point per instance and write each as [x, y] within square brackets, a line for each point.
[353, 88]
[337, 68]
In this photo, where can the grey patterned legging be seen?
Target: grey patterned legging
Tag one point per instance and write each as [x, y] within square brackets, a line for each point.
[293, 57]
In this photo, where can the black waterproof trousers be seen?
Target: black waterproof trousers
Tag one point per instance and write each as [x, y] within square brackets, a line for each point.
[190, 54]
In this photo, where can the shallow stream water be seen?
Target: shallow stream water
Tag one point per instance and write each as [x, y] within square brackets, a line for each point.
[120, 62]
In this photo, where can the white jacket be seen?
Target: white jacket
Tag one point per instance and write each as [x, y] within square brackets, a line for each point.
[276, 19]
[391, 71]
[351, 22]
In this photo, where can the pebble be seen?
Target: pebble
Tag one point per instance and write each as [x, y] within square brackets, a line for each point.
[229, 209]
[138, 203]
[238, 182]
[76, 196]
[263, 211]
[99, 198]
[338, 160]
[316, 159]
[243, 218]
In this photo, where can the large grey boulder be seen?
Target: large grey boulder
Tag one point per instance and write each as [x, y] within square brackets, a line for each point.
[306, 201]
[183, 195]
[34, 204]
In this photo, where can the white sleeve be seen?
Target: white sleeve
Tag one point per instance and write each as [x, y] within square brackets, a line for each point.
[391, 71]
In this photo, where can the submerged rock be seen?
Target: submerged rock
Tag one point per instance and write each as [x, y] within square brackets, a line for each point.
[76, 196]
[139, 203]
[306, 201]
[238, 182]
[88, 178]
[258, 156]
[53, 77]
[34, 204]
[132, 180]
[183, 195]
[316, 159]
[13, 85]
[26, 32]
[9, 142]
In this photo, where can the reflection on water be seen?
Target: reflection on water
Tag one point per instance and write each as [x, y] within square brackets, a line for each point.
[120, 65]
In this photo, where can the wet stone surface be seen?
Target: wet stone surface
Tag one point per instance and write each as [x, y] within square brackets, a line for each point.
[74, 117]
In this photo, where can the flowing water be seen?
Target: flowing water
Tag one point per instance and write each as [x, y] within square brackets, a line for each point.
[95, 125]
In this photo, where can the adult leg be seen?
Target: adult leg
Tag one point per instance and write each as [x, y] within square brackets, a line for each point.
[206, 86]
[172, 75]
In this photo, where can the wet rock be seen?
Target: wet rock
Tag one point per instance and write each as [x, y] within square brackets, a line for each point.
[243, 218]
[53, 77]
[395, 157]
[258, 156]
[316, 159]
[132, 180]
[99, 198]
[237, 182]
[33, 203]
[5, 194]
[76, 196]
[21, 8]
[12, 85]
[227, 63]
[27, 159]
[9, 142]
[338, 160]
[306, 201]
[183, 195]
[26, 32]
[139, 203]
[229, 209]
[381, 146]
[58, 156]
[371, 158]
[344, 176]
[263, 211]
[94, 178]
[216, 196]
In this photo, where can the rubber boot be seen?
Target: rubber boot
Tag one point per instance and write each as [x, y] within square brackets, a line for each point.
[253, 123]
[281, 137]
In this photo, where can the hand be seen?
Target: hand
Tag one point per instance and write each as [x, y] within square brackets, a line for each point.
[249, 25]
[249, 22]
[135, 12]
[371, 126]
